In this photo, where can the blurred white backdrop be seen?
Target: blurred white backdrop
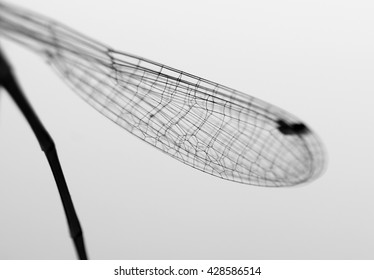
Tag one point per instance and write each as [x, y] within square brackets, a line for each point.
[313, 58]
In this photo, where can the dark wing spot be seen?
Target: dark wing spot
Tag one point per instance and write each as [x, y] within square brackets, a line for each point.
[292, 129]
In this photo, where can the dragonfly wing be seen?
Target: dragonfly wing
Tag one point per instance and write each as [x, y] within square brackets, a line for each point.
[208, 126]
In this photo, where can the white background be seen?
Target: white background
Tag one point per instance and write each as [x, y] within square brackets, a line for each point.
[312, 58]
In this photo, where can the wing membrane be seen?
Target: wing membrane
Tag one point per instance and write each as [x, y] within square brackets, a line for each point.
[203, 124]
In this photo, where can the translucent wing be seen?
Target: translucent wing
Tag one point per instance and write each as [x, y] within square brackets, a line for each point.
[208, 126]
